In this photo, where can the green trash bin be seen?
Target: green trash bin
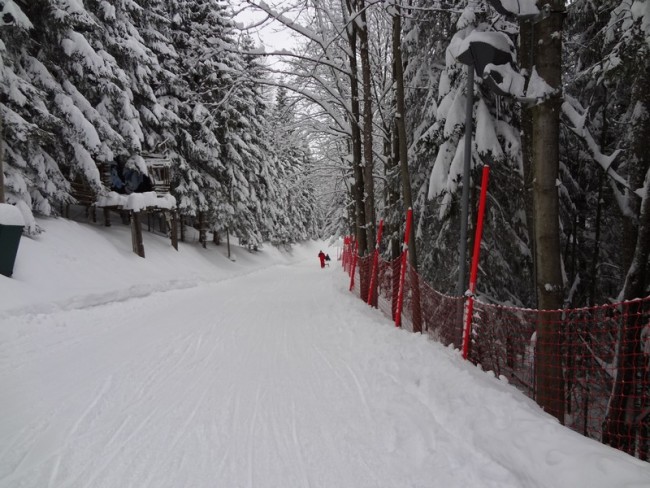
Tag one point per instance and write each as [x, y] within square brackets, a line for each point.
[11, 228]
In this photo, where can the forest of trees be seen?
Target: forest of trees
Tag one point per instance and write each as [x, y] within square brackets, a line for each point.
[362, 120]
[563, 131]
[339, 134]
[98, 84]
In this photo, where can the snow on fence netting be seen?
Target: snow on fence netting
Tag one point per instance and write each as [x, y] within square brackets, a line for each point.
[603, 351]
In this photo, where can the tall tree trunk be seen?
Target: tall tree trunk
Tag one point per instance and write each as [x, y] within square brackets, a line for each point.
[359, 180]
[359, 187]
[352, 209]
[369, 184]
[395, 179]
[395, 249]
[525, 55]
[391, 197]
[546, 145]
[400, 120]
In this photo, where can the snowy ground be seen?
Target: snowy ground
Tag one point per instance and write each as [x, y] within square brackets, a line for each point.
[186, 369]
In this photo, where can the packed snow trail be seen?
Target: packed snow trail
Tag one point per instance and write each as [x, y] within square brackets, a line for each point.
[279, 378]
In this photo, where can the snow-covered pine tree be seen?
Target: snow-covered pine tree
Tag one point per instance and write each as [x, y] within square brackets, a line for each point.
[293, 199]
[437, 129]
[135, 33]
[159, 107]
[281, 130]
[96, 86]
[33, 181]
[246, 154]
[200, 177]
[423, 31]
[118, 36]
[69, 65]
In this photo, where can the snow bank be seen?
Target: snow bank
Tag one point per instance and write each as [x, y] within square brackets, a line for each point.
[10, 215]
[72, 265]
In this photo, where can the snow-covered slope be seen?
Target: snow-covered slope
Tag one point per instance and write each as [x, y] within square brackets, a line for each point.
[189, 370]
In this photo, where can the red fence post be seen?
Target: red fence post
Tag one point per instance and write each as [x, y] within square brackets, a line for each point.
[475, 256]
[400, 292]
[375, 264]
[354, 264]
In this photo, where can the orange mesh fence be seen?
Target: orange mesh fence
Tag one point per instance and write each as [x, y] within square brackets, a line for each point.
[387, 286]
[362, 277]
[590, 367]
[440, 315]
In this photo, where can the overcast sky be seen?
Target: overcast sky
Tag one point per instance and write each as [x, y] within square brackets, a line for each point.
[272, 34]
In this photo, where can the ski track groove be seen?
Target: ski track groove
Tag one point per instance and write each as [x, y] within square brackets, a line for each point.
[298, 446]
[251, 439]
[30, 442]
[153, 385]
[104, 389]
[361, 393]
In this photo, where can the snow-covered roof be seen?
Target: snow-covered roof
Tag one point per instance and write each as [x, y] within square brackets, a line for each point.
[137, 201]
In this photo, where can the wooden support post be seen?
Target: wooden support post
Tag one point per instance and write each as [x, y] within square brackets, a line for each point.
[355, 257]
[202, 233]
[174, 230]
[180, 222]
[107, 217]
[372, 288]
[136, 234]
[228, 242]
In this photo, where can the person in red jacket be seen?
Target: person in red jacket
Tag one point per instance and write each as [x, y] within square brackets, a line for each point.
[321, 256]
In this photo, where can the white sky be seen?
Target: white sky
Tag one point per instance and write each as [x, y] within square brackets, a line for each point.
[272, 34]
[186, 369]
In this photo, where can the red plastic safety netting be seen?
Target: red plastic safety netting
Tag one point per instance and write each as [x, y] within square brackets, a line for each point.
[589, 367]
